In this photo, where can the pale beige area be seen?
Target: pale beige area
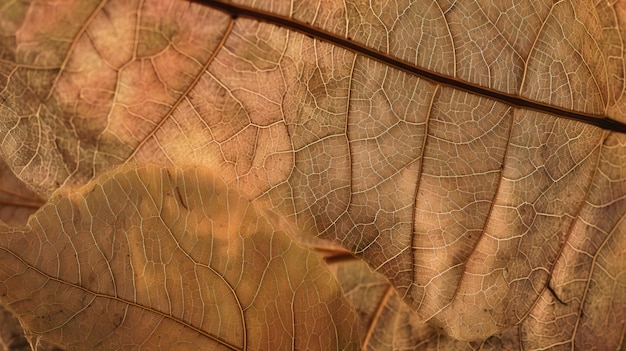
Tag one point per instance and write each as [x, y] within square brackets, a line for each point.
[471, 208]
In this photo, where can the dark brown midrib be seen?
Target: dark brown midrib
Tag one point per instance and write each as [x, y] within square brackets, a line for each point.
[516, 101]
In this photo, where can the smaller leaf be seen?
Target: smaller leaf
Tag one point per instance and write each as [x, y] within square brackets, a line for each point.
[158, 258]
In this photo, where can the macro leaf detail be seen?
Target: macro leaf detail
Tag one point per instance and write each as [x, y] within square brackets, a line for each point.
[470, 153]
[162, 258]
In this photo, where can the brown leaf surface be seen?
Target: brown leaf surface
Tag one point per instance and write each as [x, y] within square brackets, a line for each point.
[477, 210]
[574, 313]
[13, 338]
[152, 258]
[17, 202]
[387, 323]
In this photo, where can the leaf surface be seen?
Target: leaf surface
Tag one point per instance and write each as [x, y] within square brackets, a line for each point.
[159, 258]
[17, 202]
[469, 204]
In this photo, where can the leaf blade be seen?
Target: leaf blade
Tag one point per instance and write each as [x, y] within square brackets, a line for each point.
[127, 265]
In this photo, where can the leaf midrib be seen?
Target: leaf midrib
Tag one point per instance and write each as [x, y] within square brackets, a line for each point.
[235, 11]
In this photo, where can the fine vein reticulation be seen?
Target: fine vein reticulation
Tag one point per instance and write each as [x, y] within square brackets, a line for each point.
[235, 10]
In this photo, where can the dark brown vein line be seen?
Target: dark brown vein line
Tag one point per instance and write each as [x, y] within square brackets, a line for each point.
[376, 317]
[31, 205]
[234, 10]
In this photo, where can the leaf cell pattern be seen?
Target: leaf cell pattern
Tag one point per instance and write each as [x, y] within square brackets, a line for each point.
[484, 216]
[158, 258]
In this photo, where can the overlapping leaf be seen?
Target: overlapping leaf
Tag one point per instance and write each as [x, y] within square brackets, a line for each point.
[479, 212]
[152, 258]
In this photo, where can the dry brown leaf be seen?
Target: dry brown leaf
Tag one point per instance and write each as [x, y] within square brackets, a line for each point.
[17, 202]
[153, 258]
[431, 139]
[11, 333]
[387, 323]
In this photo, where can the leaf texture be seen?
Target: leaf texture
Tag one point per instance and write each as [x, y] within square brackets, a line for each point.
[387, 323]
[479, 212]
[13, 337]
[163, 258]
[17, 202]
